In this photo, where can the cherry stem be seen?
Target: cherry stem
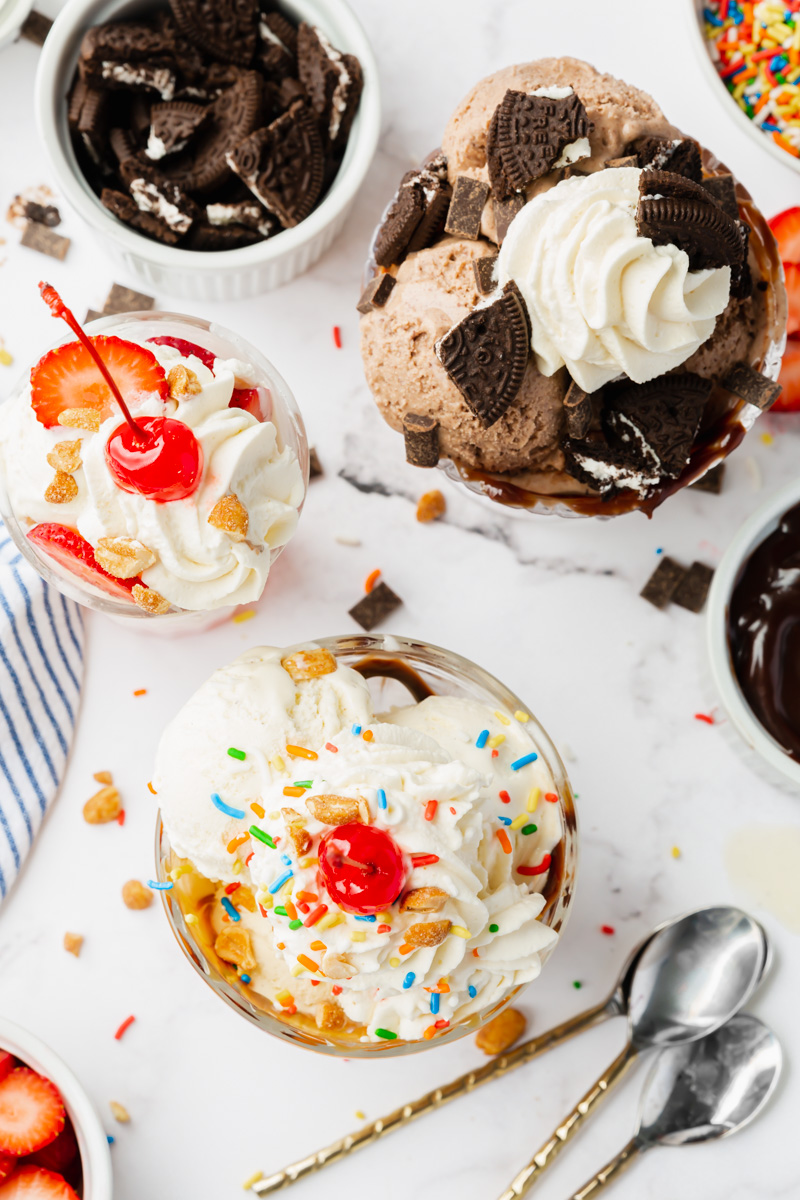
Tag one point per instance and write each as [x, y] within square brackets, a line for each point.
[59, 309]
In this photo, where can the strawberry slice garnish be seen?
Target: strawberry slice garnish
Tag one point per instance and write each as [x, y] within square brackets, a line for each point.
[249, 399]
[7, 1063]
[786, 228]
[76, 555]
[7, 1164]
[789, 379]
[186, 348]
[34, 1183]
[68, 377]
[792, 272]
[31, 1112]
[58, 1154]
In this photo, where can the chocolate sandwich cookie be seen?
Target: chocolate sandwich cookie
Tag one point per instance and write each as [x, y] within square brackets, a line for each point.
[205, 236]
[673, 210]
[232, 116]
[126, 210]
[607, 468]
[154, 194]
[88, 117]
[527, 135]
[333, 81]
[283, 165]
[223, 29]
[658, 420]
[679, 155]
[128, 56]
[276, 50]
[172, 127]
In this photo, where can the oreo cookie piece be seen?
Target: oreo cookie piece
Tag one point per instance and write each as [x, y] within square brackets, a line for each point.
[723, 189]
[91, 123]
[277, 45]
[657, 421]
[400, 223]
[205, 236]
[125, 209]
[128, 56]
[333, 81]
[486, 354]
[122, 145]
[247, 213]
[436, 194]
[527, 135]
[232, 117]
[159, 197]
[607, 468]
[679, 155]
[283, 165]
[224, 29]
[172, 127]
[682, 214]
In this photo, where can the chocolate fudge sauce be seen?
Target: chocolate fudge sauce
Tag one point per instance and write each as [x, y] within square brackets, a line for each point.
[764, 632]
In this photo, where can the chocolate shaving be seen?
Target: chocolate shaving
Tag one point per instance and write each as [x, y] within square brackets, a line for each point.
[421, 435]
[751, 386]
[504, 213]
[375, 607]
[712, 480]
[577, 411]
[376, 293]
[663, 583]
[527, 135]
[124, 300]
[466, 207]
[483, 269]
[41, 238]
[692, 590]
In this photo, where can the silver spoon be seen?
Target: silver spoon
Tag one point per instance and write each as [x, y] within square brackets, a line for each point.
[687, 982]
[699, 1092]
[616, 1004]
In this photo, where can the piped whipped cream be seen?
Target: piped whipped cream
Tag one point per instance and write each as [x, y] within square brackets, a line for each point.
[489, 819]
[602, 300]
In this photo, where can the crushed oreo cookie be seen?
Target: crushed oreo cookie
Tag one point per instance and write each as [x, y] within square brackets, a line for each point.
[659, 419]
[528, 135]
[375, 607]
[404, 215]
[679, 155]
[607, 468]
[42, 214]
[172, 127]
[35, 27]
[283, 165]
[333, 83]
[723, 190]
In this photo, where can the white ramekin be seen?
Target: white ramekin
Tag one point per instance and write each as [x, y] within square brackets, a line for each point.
[12, 15]
[92, 1140]
[763, 750]
[697, 34]
[218, 275]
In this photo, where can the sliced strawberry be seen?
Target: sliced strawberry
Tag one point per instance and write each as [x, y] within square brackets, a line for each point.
[792, 272]
[76, 555]
[786, 228]
[31, 1112]
[59, 1154]
[249, 399]
[68, 377]
[34, 1183]
[789, 379]
[7, 1164]
[7, 1063]
[185, 348]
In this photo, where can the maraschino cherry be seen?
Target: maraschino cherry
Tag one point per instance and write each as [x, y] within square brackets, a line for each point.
[361, 867]
[158, 457]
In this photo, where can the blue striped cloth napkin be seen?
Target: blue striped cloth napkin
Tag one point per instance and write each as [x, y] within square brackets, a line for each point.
[41, 667]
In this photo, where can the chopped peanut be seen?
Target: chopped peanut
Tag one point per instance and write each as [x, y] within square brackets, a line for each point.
[230, 515]
[336, 966]
[424, 900]
[501, 1032]
[103, 777]
[183, 382]
[295, 825]
[234, 946]
[245, 899]
[124, 557]
[338, 810]
[66, 456]
[309, 664]
[136, 895]
[73, 943]
[329, 1015]
[103, 806]
[62, 490]
[150, 600]
[427, 933]
[431, 506]
[119, 1112]
[81, 418]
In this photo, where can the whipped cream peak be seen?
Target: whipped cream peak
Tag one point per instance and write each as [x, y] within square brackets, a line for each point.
[604, 301]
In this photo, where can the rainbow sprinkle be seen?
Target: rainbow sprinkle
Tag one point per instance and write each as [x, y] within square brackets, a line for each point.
[229, 909]
[473, 991]
[381, 798]
[234, 753]
[482, 738]
[226, 808]
[756, 50]
[279, 882]
[434, 1003]
[385, 1033]
[159, 887]
[409, 979]
[523, 762]
[262, 837]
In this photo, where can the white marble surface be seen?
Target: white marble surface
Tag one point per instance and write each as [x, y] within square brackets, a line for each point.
[548, 605]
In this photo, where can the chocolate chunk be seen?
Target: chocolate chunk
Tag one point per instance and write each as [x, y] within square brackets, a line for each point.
[314, 465]
[43, 214]
[606, 467]
[124, 300]
[283, 165]
[680, 155]
[577, 410]
[483, 269]
[504, 213]
[628, 160]
[92, 315]
[692, 590]
[421, 435]
[751, 386]
[711, 481]
[466, 207]
[723, 190]
[159, 196]
[527, 135]
[376, 293]
[232, 117]
[35, 28]
[333, 81]
[658, 420]
[172, 127]
[39, 237]
[404, 215]
[128, 56]
[375, 607]
[486, 354]
[693, 222]
[125, 209]
[224, 29]
[664, 582]
[277, 46]
[437, 195]
[570, 171]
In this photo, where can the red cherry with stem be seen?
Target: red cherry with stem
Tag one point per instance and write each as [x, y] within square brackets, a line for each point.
[361, 867]
[158, 457]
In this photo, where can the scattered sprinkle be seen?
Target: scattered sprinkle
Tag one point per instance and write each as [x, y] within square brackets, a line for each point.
[109, 1139]
[258, 810]
[151, 789]
[371, 580]
[307, 962]
[394, 962]
[235, 843]
[519, 821]
[295, 790]
[140, 692]
[424, 860]
[261, 836]
[301, 752]
[381, 798]
[119, 1112]
[504, 796]
[337, 337]
[460, 931]
[330, 746]
[504, 840]
[482, 739]
[229, 909]
[358, 935]
[385, 1033]
[366, 917]
[248, 1183]
[279, 882]
[496, 740]
[315, 915]
[409, 979]
[472, 992]
[126, 1024]
[705, 717]
[494, 928]
[540, 870]
[533, 799]
[523, 762]
[434, 1003]
[159, 887]
[355, 730]
[430, 809]
[237, 618]
[551, 797]
[519, 715]
[767, 439]
[608, 930]
[505, 820]
[245, 978]
[502, 718]
[227, 809]
[676, 852]
[234, 753]
[368, 735]
[576, 983]
[528, 829]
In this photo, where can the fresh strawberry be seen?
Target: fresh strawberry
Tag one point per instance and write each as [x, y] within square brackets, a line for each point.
[7, 1164]
[7, 1063]
[76, 555]
[786, 228]
[58, 1155]
[34, 1183]
[792, 272]
[68, 377]
[789, 379]
[185, 348]
[31, 1112]
[249, 399]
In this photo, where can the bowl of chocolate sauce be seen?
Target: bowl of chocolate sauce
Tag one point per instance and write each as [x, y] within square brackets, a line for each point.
[754, 633]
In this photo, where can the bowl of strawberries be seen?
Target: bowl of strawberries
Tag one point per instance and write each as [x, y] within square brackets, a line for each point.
[786, 230]
[52, 1145]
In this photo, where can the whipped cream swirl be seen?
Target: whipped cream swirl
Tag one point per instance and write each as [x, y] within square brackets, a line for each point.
[603, 301]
